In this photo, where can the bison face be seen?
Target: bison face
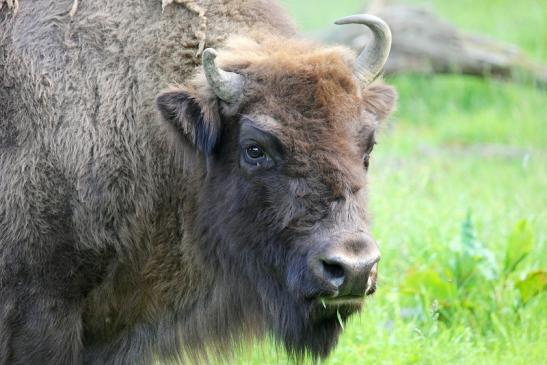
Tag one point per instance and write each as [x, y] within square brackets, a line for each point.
[280, 213]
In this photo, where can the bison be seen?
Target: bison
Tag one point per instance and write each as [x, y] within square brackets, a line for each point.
[174, 182]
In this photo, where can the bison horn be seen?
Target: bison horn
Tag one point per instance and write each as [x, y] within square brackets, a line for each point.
[370, 62]
[228, 86]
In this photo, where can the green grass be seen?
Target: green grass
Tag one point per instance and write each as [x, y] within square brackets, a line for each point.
[456, 146]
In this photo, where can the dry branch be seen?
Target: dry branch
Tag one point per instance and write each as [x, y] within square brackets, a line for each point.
[12, 4]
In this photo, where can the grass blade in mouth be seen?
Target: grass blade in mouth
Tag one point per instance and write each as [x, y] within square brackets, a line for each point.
[339, 319]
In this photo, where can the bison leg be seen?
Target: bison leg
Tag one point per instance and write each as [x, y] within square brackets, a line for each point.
[36, 328]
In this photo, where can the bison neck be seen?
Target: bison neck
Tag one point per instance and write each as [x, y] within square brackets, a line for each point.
[173, 296]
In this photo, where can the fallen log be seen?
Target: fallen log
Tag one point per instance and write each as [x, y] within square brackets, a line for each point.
[423, 43]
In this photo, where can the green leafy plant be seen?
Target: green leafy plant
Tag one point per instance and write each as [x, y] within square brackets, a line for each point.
[519, 244]
[531, 285]
[471, 285]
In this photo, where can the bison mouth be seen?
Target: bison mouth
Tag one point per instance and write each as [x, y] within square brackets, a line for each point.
[311, 315]
[347, 300]
[338, 307]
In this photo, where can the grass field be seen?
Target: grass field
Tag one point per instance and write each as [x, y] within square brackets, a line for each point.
[459, 198]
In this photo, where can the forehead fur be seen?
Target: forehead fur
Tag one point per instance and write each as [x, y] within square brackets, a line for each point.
[311, 80]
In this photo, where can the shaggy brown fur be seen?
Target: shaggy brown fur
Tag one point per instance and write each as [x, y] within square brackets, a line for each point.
[126, 236]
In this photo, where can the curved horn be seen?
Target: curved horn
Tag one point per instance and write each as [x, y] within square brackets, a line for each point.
[370, 62]
[228, 86]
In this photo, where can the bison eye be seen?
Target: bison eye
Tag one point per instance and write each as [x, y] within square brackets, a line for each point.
[256, 157]
[370, 147]
[254, 152]
[366, 161]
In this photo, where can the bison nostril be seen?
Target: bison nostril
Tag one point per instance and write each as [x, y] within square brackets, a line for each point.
[334, 273]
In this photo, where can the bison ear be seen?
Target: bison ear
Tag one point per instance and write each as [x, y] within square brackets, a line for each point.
[195, 122]
[379, 99]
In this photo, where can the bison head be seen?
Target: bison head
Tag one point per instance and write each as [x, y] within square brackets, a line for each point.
[283, 131]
